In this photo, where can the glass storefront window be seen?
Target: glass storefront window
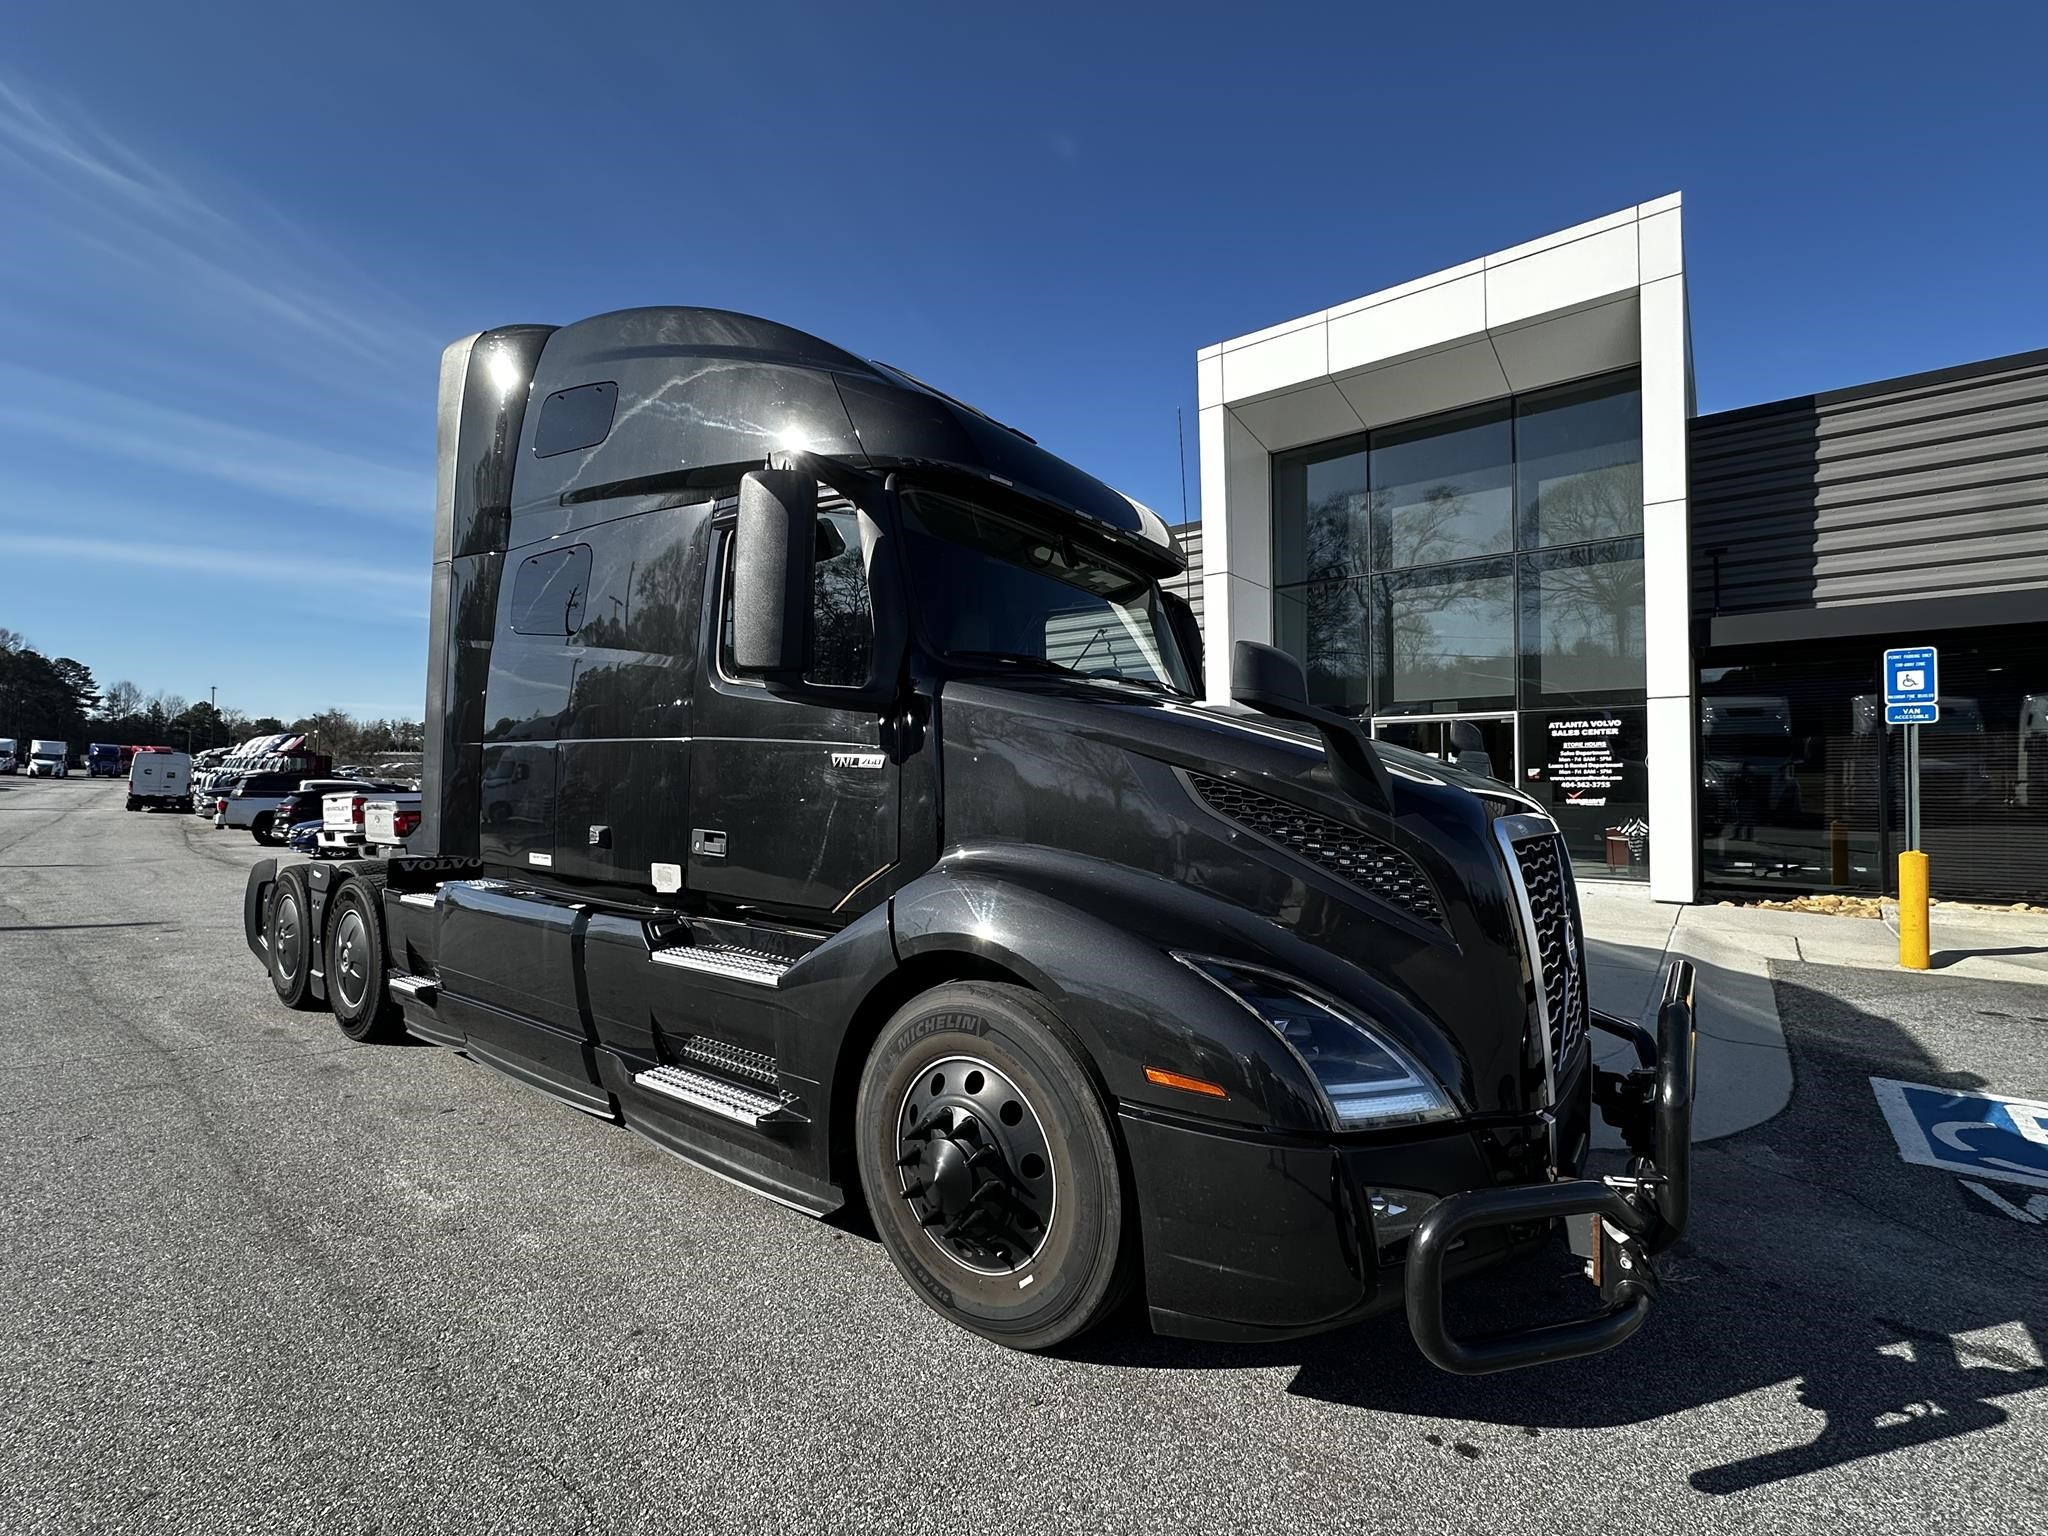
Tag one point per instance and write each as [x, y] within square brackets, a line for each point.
[1579, 462]
[1446, 637]
[1319, 517]
[1587, 768]
[1443, 489]
[1325, 624]
[1582, 623]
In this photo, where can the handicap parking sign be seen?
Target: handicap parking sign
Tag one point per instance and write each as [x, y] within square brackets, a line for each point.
[1984, 1135]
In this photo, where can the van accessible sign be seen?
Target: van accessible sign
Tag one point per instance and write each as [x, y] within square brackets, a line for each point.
[1987, 1135]
[1912, 690]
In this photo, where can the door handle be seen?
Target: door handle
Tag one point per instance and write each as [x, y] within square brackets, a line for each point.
[708, 843]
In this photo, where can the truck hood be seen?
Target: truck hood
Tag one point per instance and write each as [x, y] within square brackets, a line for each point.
[1410, 915]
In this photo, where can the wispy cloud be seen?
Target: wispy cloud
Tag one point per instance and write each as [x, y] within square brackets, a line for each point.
[101, 421]
[231, 564]
[228, 251]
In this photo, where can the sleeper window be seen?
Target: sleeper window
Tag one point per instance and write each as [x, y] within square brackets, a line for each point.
[548, 591]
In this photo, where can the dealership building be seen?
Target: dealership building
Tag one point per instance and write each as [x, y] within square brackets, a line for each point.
[1482, 510]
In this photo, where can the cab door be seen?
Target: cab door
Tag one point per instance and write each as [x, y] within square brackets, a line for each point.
[793, 807]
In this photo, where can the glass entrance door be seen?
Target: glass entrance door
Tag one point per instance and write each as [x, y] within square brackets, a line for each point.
[1481, 744]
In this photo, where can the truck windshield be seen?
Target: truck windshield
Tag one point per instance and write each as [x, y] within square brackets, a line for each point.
[995, 589]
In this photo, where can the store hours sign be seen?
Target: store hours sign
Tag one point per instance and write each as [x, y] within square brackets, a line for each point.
[1583, 758]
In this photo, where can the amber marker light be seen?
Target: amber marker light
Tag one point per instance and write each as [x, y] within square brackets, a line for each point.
[1184, 1084]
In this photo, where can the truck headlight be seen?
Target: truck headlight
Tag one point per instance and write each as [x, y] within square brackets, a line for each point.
[1366, 1080]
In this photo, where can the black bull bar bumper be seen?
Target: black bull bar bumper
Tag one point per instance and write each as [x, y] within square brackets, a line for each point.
[1639, 1213]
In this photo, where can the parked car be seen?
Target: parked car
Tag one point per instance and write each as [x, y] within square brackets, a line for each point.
[254, 801]
[299, 812]
[9, 762]
[48, 759]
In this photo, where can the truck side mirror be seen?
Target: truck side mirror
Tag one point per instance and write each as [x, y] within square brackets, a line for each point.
[1262, 676]
[773, 557]
[1187, 633]
[1274, 683]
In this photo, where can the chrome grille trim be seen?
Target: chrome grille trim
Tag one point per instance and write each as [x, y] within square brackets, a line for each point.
[1553, 949]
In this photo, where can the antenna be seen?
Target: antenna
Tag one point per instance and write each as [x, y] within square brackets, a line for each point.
[1181, 439]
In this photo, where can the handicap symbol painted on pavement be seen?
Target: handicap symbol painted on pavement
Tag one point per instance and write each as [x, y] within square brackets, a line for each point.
[1986, 1135]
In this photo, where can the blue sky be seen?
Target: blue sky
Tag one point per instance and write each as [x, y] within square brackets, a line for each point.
[235, 238]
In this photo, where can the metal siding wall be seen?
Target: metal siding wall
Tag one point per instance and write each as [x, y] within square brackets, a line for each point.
[1935, 486]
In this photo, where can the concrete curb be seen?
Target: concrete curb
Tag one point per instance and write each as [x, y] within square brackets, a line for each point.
[1744, 1068]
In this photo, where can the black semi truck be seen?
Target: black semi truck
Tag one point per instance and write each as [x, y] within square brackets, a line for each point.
[816, 784]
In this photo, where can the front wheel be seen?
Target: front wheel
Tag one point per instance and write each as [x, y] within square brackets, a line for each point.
[991, 1168]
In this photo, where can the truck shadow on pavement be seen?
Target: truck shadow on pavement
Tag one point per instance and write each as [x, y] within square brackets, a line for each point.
[1816, 1257]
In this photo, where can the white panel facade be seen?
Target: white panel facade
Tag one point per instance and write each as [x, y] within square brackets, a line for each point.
[1602, 295]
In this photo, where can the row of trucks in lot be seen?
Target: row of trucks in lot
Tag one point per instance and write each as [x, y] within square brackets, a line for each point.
[816, 784]
[43, 760]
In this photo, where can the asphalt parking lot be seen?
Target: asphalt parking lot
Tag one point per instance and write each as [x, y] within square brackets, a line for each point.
[258, 1278]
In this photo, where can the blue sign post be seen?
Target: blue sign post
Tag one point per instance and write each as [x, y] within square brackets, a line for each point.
[1912, 692]
[1912, 698]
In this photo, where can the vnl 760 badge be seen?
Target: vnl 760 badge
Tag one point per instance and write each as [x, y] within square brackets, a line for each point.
[1982, 1135]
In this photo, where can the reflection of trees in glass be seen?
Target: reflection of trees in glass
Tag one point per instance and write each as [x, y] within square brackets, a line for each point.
[1334, 617]
[842, 626]
[1604, 503]
[1449, 631]
[1438, 526]
[1336, 532]
[1587, 605]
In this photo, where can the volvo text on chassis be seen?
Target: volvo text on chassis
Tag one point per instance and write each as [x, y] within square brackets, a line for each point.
[815, 784]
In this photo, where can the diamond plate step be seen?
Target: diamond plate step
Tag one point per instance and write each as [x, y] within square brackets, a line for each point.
[746, 1105]
[751, 965]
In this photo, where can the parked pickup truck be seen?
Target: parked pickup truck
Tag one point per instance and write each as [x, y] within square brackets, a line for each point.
[254, 801]
[344, 820]
[389, 824]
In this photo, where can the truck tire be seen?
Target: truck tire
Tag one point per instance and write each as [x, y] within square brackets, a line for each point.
[260, 829]
[288, 931]
[991, 1168]
[355, 962]
[133, 804]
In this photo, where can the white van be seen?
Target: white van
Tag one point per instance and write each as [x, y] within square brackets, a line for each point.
[8, 761]
[160, 780]
[48, 759]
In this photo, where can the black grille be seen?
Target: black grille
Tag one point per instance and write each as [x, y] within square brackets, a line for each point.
[1378, 868]
[1559, 956]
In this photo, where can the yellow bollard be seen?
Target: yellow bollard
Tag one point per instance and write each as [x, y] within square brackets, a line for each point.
[1913, 910]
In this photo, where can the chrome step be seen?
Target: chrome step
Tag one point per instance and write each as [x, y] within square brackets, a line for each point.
[417, 898]
[733, 960]
[706, 1092]
[412, 989]
[732, 1060]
